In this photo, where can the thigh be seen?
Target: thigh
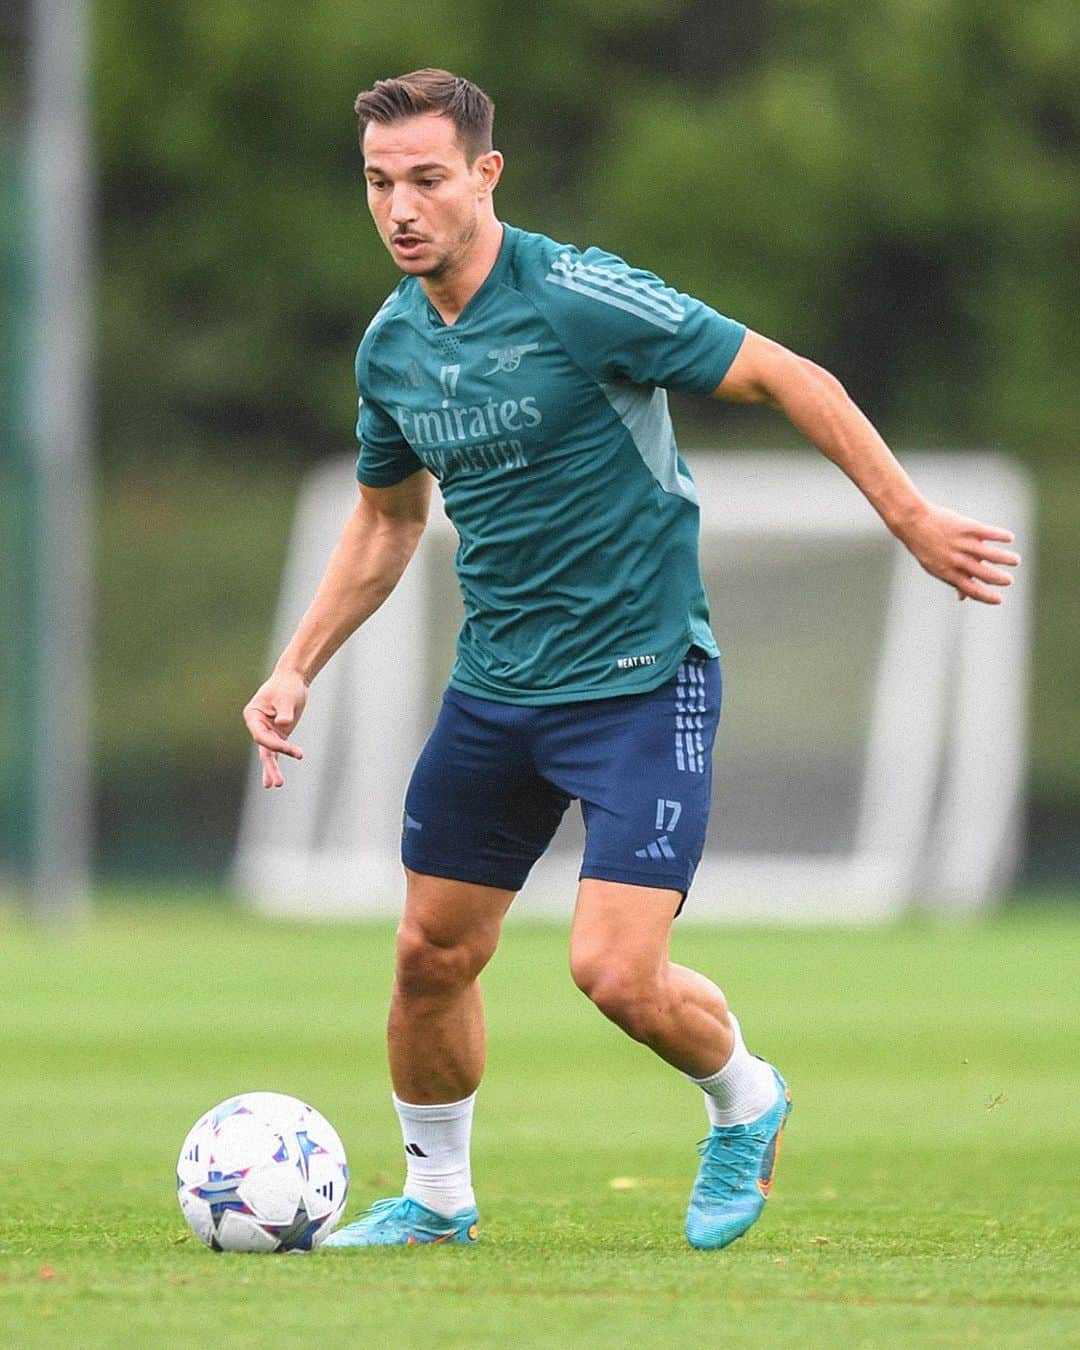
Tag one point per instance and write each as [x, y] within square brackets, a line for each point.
[622, 930]
[643, 771]
[452, 916]
[476, 810]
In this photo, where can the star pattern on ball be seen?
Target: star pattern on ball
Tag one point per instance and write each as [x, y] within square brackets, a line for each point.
[219, 1190]
[233, 1107]
[299, 1234]
[308, 1148]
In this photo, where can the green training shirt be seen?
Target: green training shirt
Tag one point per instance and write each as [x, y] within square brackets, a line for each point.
[543, 414]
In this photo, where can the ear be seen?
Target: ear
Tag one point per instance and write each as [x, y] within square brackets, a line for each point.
[488, 170]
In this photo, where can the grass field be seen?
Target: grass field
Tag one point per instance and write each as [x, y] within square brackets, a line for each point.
[927, 1193]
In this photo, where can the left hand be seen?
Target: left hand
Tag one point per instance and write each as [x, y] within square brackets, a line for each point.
[962, 552]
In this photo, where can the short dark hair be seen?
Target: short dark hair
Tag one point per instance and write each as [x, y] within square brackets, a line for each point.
[431, 91]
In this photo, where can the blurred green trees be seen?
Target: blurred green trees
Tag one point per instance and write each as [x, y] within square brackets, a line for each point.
[889, 186]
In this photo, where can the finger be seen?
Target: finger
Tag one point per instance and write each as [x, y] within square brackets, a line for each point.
[992, 575]
[271, 774]
[999, 555]
[272, 741]
[263, 733]
[975, 589]
[994, 532]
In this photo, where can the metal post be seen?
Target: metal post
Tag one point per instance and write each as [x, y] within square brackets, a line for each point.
[59, 422]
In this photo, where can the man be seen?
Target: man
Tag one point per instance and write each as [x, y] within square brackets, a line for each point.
[529, 379]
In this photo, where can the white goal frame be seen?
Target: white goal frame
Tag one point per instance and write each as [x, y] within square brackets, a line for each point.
[940, 803]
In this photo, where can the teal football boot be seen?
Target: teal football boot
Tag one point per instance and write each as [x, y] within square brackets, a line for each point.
[401, 1222]
[736, 1175]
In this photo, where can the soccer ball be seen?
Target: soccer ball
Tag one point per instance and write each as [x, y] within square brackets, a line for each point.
[262, 1172]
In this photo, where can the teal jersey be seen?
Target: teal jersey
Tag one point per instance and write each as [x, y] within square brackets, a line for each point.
[542, 412]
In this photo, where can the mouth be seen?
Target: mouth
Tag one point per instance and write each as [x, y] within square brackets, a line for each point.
[407, 245]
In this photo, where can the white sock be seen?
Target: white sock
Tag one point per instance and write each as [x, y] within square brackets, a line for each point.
[437, 1169]
[740, 1091]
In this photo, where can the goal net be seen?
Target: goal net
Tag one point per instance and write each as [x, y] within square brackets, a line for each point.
[872, 741]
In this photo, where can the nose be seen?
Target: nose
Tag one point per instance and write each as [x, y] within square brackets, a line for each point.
[402, 205]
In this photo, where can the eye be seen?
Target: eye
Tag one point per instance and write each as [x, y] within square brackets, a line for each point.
[430, 182]
[377, 183]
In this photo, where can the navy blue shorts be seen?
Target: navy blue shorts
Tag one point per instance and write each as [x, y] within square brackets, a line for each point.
[494, 779]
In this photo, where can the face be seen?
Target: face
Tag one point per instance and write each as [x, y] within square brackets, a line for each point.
[426, 199]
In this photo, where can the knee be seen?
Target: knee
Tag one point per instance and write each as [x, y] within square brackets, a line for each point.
[425, 966]
[626, 997]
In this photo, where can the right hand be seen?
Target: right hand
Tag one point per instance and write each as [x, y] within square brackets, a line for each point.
[270, 716]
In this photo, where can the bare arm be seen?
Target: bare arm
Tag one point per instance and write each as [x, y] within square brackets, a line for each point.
[959, 551]
[367, 562]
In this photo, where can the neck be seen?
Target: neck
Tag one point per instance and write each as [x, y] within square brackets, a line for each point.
[452, 291]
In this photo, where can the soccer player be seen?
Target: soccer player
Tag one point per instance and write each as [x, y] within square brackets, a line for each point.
[528, 378]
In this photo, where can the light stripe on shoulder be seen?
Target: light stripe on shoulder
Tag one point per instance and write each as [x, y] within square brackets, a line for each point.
[627, 293]
[654, 291]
